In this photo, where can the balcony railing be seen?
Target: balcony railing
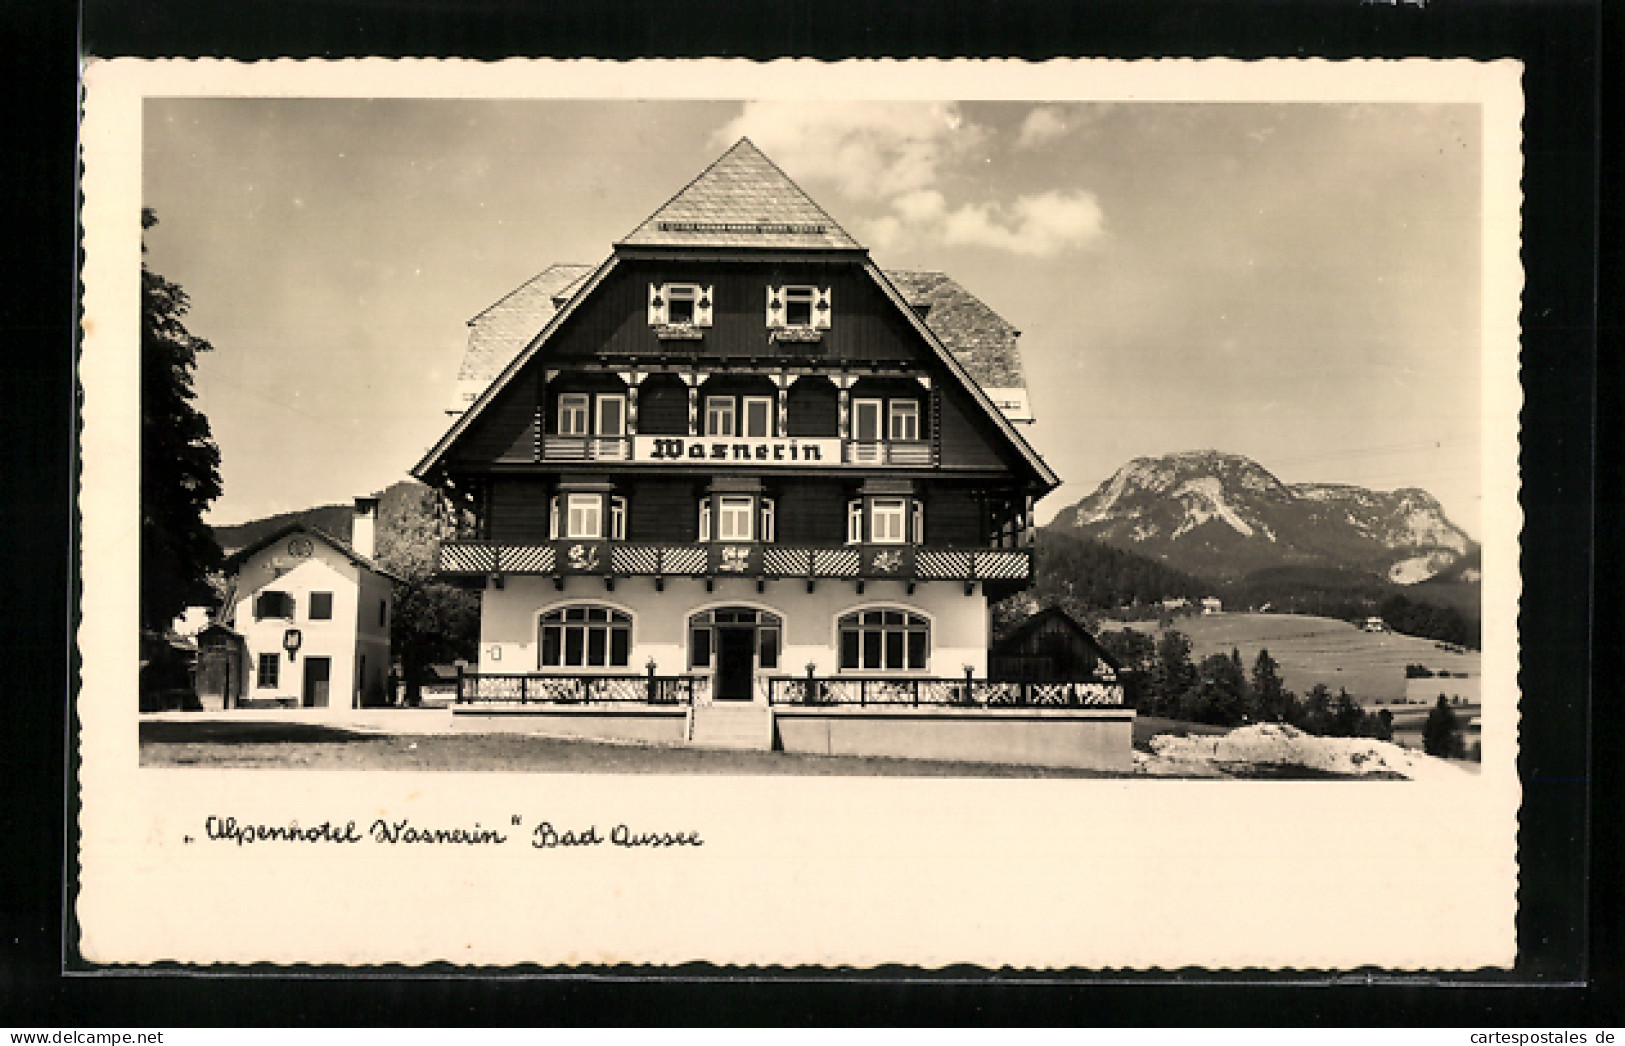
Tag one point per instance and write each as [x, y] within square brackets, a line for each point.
[722, 559]
[882, 691]
[909, 452]
[586, 448]
[535, 688]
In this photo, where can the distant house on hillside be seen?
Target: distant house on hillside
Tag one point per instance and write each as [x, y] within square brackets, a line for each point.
[1375, 624]
[1211, 605]
[312, 613]
[1177, 603]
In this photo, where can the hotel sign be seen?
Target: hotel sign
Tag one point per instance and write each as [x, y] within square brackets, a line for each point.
[737, 450]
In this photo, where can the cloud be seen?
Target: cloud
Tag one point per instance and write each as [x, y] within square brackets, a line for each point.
[1041, 226]
[1042, 125]
[894, 156]
[869, 150]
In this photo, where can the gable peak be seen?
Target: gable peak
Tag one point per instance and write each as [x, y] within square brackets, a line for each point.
[743, 199]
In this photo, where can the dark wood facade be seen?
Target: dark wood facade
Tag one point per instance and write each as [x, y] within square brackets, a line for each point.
[876, 440]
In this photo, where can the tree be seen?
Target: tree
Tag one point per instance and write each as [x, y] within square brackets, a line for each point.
[180, 464]
[1172, 674]
[1269, 692]
[433, 622]
[1441, 734]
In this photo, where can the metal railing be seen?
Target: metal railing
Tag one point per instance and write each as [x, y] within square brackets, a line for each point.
[883, 691]
[534, 688]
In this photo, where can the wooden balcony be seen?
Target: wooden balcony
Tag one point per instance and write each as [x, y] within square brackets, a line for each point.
[715, 559]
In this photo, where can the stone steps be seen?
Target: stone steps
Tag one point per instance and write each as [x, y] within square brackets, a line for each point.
[742, 726]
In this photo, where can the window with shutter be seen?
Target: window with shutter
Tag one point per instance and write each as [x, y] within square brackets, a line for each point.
[767, 519]
[553, 519]
[918, 536]
[617, 519]
[702, 308]
[775, 307]
[821, 310]
[854, 522]
[705, 519]
[657, 305]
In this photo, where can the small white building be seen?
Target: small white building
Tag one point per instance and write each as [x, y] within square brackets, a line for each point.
[314, 615]
[1374, 624]
[1212, 605]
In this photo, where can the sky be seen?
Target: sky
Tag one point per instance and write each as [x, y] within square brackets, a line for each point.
[1298, 283]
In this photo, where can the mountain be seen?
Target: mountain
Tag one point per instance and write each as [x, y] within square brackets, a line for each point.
[1225, 516]
[330, 519]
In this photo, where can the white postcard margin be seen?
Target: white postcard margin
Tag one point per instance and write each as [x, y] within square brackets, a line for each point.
[1039, 874]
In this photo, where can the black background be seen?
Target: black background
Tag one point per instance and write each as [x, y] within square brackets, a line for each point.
[1563, 940]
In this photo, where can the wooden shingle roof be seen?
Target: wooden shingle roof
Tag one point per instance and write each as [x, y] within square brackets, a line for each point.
[741, 200]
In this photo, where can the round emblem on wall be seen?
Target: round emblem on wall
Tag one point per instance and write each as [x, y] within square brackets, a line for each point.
[300, 547]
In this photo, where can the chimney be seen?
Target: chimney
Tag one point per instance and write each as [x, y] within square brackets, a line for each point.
[364, 527]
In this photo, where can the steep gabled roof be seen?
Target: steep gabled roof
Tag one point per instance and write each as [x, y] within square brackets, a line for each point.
[981, 339]
[741, 200]
[496, 335]
[1014, 638]
[242, 555]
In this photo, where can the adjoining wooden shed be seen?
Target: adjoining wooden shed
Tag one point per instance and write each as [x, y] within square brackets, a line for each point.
[1050, 647]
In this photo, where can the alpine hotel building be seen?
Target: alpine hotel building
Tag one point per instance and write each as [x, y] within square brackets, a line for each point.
[737, 485]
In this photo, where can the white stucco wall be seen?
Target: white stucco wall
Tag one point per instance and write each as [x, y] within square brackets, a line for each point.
[351, 632]
[509, 619]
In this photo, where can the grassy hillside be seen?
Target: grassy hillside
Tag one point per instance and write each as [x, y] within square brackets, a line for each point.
[1314, 650]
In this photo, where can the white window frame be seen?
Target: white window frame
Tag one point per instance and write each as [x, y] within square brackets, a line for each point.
[732, 511]
[799, 293]
[619, 399]
[896, 512]
[903, 411]
[854, 521]
[716, 408]
[686, 292]
[617, 519]
[858, 408]
[854, 622]
[917, 523]
[769, 408]
[575, 408]
[705, 519]
[591, 507]
[580, 616]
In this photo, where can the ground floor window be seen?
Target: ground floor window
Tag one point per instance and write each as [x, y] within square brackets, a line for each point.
[586, 636]
[884, 640]
[268, 668]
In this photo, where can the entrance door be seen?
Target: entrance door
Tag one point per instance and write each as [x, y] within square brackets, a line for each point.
[318, 670]
[736, 662]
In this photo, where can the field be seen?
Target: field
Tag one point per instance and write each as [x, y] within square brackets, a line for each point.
[1310, 650]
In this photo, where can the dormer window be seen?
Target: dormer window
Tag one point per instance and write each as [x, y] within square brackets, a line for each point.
[675, 307]
[798, 307]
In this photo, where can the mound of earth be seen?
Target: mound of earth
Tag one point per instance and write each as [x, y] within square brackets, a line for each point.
[1240, 751]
